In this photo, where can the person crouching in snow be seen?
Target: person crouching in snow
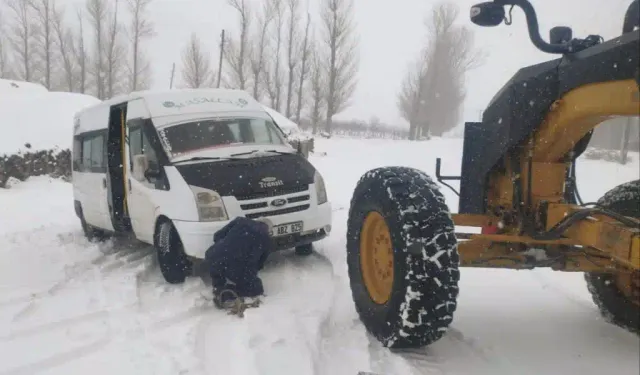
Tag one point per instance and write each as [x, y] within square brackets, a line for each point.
[238, 252]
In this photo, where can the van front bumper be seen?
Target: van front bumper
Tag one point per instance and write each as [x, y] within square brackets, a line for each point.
[197, 237]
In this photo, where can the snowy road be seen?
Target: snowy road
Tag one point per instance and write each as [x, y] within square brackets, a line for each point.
[70, 307]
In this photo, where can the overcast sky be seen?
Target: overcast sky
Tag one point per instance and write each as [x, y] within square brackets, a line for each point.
[391, 33]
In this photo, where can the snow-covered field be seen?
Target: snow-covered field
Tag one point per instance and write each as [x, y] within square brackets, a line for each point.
[70, 307]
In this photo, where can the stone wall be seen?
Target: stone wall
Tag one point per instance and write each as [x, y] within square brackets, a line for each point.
[55, 163]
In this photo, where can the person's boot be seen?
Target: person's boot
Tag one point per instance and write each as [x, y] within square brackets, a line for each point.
[226, 297]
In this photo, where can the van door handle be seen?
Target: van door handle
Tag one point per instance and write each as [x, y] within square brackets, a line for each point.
[104, 182]
[129, 180]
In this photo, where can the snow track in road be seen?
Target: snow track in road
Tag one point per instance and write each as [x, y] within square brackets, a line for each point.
[113, 296]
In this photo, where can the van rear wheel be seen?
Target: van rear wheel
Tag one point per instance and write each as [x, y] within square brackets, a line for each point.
[174, 264]
[92, 233]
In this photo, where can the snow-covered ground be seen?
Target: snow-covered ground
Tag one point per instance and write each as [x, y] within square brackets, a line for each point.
[70, 307]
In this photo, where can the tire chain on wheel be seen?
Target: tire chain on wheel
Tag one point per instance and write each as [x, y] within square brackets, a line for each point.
[167, 255]
[430, 254]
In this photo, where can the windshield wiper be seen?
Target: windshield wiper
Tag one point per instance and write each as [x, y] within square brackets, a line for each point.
[196, 158]
[255, 151]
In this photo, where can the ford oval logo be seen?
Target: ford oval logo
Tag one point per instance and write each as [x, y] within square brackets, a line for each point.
[268, 179]
[278, 202]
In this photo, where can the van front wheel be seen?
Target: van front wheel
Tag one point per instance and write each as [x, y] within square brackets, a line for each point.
[174, 264]
[304, 250]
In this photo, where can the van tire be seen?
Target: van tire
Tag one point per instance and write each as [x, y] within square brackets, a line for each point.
[174, 264]
[304, 250]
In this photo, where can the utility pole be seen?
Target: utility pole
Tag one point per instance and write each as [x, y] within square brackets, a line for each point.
[220, 61]
[173, 72]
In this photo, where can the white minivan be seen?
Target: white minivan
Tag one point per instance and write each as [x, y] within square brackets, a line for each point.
[173, 167]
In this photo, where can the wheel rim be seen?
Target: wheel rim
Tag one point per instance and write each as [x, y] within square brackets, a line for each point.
[376, 258]
[629, 284]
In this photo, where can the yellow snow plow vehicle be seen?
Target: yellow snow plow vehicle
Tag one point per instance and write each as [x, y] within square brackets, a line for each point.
[517, 184]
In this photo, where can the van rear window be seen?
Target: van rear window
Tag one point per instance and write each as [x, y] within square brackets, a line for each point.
[200, 135]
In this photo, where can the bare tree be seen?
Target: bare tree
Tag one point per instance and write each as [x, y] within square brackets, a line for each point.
[140, 29]
[5, 71]
[196, 65]
[238, 52]
[411, 96]
[116, 54]
[4, 61]
[64, 41]
[44, 36]
[21, 38]
[342, 57]
[305, 52]
[81, 55]
[97, 12]
[259, 46]
[273, 73]
[293, 7]
[450, 54]
[318, 88]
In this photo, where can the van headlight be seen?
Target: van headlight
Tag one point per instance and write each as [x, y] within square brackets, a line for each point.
[321, 191]
[210, 204]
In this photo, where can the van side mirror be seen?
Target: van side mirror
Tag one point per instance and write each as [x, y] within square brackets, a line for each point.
[144, 169]
[152, 172]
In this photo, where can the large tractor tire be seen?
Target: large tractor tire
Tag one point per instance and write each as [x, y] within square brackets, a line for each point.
[402, 257]
[618, 295]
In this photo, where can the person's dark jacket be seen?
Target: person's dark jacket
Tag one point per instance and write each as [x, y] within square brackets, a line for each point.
[239, 251]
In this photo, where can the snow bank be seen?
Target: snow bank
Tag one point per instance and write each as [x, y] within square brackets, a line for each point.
[41, 118]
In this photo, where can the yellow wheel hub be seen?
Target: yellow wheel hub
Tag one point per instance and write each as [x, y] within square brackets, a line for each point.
[376, 257]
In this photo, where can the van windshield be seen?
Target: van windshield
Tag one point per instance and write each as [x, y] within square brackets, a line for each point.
[188, 137]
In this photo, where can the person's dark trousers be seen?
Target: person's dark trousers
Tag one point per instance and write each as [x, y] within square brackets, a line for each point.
[238, 253]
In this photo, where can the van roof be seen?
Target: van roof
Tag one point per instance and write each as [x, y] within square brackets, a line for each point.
[152, 94]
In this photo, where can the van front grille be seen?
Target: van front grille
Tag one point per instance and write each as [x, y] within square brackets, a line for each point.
[283, 211]
[282, 190]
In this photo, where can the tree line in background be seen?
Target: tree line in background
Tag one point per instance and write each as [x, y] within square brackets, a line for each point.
[303, 68]
[95, 49]
[285, 60]
[433, 90]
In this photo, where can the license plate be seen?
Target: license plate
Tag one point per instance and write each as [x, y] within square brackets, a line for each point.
[285, 229]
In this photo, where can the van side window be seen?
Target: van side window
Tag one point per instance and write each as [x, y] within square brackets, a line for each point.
[139, 145]
[97, 152]
[135, 142]
[89, 153]
[86, 153]
[148, 150]
[77, 154]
